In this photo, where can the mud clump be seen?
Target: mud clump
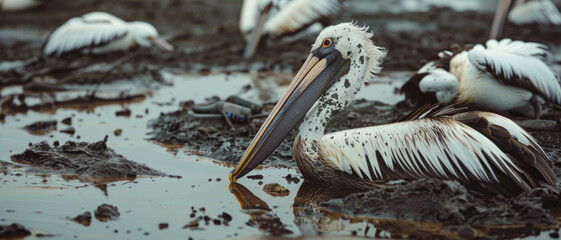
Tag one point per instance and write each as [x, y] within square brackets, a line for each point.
[448, 203]
[13, 230]
[84, 219]
[276, 190]
[106, 212]
[82, 158]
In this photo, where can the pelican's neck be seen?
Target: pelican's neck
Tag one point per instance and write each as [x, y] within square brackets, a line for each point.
[335, 98]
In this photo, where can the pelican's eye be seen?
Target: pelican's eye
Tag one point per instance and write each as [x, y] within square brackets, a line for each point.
[327, 43]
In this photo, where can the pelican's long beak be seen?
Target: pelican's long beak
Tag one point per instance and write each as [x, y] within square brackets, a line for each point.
[317, 75]
[253, 41]
[500, 17]
[161, 43]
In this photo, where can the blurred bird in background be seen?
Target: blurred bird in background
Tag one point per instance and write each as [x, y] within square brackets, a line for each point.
[100, 32]
[521, 12]
[287, 19]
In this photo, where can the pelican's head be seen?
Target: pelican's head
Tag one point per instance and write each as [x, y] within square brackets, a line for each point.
[341, 59]
[146, 35]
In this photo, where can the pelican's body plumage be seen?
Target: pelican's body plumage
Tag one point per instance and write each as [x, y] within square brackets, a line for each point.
[100, 32]
[291, 19]
[505, 76]
[484, 151]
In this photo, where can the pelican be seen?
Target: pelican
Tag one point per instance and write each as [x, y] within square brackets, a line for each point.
[277, 18]
[18, 5]
[521, 12]
[505, 76]
[482, 150]
[100, 32]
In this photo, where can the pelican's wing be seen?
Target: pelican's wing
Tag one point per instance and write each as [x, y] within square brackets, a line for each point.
[518, 63]
[93, 29]
[442, 148]
[297, 14]
[430, 85]
[541, 11]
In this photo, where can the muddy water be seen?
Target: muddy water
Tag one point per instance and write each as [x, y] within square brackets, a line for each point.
[45, 202]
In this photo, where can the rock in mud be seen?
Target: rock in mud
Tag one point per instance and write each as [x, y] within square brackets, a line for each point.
[41, 126]
[82, 158]
[446, 202]
[84, 219]
[106, 212]
[13, 230]
[276, 190]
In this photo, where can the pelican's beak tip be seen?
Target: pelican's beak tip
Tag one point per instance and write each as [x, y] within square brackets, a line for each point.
[233, 179]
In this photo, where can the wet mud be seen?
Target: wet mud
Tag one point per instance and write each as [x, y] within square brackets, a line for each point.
[13, 230]
[81, 158]
[449, 203]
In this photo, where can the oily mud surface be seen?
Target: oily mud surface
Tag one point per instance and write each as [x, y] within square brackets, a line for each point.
[449, 203]
[215, 139]
[81, 158]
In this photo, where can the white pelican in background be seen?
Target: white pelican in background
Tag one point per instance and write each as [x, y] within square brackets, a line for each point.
[100, 32]
[505, 76]
[18, 5]
[276, 18]
[483, 150]
[520, 12]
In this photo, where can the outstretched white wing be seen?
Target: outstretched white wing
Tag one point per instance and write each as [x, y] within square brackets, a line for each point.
[92, 29]
[540, 11]
[440, 148]
[297, 14]
[519, 64]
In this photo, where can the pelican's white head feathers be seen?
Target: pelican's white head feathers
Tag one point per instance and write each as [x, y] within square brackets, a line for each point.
[354, 43]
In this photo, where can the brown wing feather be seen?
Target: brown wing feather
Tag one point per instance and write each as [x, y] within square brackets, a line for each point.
[535, 166]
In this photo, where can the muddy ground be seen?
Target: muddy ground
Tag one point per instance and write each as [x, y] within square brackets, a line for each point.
[205, 34]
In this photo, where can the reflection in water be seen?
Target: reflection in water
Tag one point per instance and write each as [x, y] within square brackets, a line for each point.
[260, 213]
[312, 219]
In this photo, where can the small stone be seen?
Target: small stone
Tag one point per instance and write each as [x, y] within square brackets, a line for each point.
[276, 190]
[226, 217]
[84, 219]
[163, 226]
[118, 132]
[105, 212]
[537, 125]
[123, 113]
[67, 121]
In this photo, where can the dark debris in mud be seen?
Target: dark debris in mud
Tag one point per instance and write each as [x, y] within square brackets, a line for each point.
[106, 212]
[449, 203]
[41, 126]
[84, 218]
[13, 230]
[81, 158]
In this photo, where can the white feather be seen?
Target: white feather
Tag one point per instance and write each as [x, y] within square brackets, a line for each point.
[441, 82]
[518, 61]
[91, 29]
[299, 13]
[445, 146]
